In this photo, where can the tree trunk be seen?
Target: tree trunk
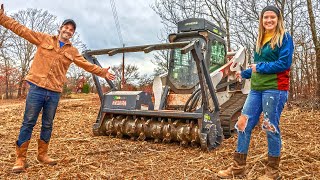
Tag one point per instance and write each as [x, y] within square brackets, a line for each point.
[19, 88]
[308, 74]
[7, 79]
[316, 42]
[228, 35]
[291, 90]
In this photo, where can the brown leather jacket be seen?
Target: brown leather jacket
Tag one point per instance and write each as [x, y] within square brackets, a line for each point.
[49, 67]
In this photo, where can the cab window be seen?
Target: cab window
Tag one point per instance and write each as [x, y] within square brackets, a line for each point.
[217, 57]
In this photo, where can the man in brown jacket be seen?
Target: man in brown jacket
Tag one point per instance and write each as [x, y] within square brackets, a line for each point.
[46, 77]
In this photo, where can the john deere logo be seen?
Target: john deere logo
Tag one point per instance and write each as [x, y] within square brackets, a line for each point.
[217, 31]
[191, 23]
[118, 97]
[206, 118]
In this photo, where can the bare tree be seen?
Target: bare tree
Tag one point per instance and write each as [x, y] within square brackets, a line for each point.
[8, 75]
[4, 35]
[316, 42]
[4, 61]
[294, 17]
[219, 12]
[145, 79]
[161, 62]
[171, 11]
[131, 74]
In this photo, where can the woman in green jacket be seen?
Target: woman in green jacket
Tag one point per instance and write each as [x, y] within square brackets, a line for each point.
[269, 92]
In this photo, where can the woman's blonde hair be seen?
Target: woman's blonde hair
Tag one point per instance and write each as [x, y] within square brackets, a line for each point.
[277, 37]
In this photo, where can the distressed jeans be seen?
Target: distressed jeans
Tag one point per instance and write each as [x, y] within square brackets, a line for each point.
[271, 103]
[38, 99]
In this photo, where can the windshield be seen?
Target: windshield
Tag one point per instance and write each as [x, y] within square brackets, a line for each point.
[183, 73]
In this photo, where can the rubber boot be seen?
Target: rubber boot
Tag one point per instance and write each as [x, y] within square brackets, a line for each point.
[272, 170]
[43, 153]
[237, 167]
[21, 161]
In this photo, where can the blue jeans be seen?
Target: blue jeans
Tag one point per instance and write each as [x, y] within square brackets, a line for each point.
[38, 99]
[271, 103]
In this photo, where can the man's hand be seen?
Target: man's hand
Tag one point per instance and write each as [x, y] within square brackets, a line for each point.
[109, 75]
[2, 9]
[253, 67]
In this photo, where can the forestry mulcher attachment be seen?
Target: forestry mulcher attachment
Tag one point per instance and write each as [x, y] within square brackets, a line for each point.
[196, 103]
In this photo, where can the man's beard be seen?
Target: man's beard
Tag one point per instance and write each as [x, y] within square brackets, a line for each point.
[66, 35]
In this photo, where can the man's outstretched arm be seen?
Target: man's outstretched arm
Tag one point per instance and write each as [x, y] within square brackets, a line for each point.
[19, 29]
[80, 61]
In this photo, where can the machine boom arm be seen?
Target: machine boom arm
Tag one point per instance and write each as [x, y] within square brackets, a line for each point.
[144, 48]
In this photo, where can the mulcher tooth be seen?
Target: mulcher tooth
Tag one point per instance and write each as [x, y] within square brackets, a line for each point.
[193, 143]
[166, 140]
[141, 137]
[122, 125]
[175, 123]
[148, 122]
[166, 133]
[184, 143]
[109, 126]
[119, 134]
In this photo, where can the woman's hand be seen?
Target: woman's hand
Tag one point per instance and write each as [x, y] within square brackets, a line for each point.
[253, 67]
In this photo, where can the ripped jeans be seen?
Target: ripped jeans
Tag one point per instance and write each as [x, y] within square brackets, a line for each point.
[271, 103]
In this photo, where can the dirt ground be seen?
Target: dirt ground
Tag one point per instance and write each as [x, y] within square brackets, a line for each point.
[84, 156]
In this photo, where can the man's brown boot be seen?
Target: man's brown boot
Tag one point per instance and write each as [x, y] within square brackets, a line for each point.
[43, 153]
[272, 170]
[237, 167]
[21, 161]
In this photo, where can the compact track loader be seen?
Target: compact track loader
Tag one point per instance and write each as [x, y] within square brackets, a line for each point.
[196, 103]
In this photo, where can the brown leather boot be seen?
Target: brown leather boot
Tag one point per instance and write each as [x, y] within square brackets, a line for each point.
[237, 167]
[21, 161]
[272, 170]
[43, 153]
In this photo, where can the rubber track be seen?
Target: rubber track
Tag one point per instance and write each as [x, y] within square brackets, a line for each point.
[228, 109]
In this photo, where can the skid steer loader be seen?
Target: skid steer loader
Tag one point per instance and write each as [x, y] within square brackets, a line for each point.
[196, 103]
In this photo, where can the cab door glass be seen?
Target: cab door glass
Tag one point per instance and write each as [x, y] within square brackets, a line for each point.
[217, 57]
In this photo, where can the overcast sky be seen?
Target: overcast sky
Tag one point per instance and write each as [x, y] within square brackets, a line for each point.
[95, 24]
